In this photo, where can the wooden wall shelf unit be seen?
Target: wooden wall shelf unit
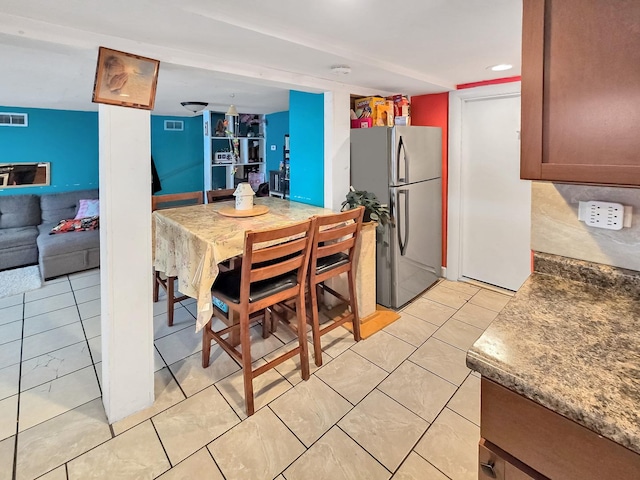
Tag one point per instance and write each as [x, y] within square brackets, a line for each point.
[251, 149]
[581, 91]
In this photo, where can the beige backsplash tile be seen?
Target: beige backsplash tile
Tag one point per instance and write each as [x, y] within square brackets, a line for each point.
[555, 227]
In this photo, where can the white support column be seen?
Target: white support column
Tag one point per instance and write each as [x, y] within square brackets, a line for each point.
[337, 149]
[337, 165]
[125, 260]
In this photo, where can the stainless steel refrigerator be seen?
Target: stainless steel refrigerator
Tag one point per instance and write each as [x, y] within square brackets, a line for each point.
[403, 167]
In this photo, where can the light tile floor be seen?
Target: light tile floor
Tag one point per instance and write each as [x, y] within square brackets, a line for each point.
[401, 404]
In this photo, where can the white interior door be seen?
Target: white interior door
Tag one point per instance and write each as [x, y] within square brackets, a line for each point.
[495, 204]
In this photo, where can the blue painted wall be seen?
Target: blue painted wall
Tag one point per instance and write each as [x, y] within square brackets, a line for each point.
[277, 128]
[306, 130]
[67, 139]
[178, 154]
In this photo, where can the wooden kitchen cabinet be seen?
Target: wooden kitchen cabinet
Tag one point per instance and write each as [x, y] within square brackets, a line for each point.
[524, 440]
[581, 91]
[496, 464]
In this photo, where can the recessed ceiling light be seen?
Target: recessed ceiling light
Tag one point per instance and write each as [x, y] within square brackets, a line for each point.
[501, 67]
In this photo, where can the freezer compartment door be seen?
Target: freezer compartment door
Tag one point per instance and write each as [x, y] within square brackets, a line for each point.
[415, 240]
[416, 154]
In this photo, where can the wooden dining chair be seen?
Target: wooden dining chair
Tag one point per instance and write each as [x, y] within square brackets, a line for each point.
[159, 202]
[221, 195]
[333, 252]
[173, 200]
[268, 275]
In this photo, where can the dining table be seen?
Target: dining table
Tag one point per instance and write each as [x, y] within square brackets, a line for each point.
[190, 242]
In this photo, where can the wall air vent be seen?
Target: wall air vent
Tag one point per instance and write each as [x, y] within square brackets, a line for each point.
[175, 125]
[13, 119]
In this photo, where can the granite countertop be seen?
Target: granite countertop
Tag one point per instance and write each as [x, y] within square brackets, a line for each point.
[570, 341]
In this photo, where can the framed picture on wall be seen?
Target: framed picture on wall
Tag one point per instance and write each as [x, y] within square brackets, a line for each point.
[125, 79]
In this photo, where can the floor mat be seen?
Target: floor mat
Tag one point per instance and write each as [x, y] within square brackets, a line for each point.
[19, 280]
[375, 322]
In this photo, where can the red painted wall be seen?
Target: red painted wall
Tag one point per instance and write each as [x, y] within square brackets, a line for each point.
[433, 111]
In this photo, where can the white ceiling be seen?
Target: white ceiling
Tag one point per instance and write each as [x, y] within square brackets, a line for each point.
[255, 49]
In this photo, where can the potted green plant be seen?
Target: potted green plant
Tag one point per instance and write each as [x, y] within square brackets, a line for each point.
[374, 211]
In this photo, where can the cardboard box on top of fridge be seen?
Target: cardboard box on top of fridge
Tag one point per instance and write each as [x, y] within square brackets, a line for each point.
[403, 121]
[376, 108]
[383, 116]
[365, 107]
[362, 123]
[400, 105]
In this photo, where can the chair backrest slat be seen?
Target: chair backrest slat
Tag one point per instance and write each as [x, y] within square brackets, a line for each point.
[285, 256]
[340, 238]
[271, 271]
[220, 195]
[279, 250]
[332, 248]
[158, 202]
[336, 233]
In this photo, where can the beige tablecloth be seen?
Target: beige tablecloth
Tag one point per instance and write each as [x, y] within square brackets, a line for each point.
[190, 242]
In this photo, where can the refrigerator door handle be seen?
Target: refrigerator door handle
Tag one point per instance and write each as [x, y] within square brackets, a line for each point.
[402, 149]
[403, 244]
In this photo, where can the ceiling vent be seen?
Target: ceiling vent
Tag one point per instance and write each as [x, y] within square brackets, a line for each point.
[13, 119]
[174, 125]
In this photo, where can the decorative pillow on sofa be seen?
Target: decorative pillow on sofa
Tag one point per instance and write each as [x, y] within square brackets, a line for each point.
[88, 208]
[76, 225]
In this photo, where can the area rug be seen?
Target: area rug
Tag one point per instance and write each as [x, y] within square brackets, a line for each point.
[19, 280]
[375, 322]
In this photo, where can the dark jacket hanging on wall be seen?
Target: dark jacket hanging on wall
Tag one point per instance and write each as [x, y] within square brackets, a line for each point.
[156, 186]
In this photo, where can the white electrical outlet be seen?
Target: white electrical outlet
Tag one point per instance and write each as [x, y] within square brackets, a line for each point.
[273, 148]
[602, 214]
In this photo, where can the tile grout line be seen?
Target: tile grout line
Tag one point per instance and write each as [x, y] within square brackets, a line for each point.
[93, 363]
[412, 449]
[60, 376]
[268, 405]
[166, 365]
[286, 379]
[396, 401]
[432, 373]
[206, 447]
[367, 451]
[457, 388]
[306, 449]
[15, 443]
[162, 445]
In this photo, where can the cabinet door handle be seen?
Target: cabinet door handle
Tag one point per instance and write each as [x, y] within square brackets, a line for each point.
[488, 469]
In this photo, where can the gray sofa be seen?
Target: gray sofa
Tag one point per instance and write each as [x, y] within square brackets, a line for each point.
[25, 223]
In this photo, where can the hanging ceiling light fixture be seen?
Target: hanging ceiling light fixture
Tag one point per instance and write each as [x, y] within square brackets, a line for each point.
[194, 107]
[232, 111]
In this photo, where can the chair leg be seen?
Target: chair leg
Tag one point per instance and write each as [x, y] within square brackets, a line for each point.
[170, 300]
[156, 286]
[234, 335]
[266, 323]
[301, 315]
[315, 325]
[353, 302]
[206, 344]
[247, 373]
